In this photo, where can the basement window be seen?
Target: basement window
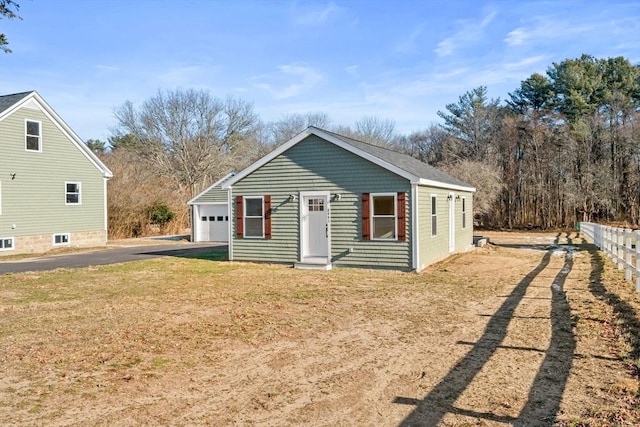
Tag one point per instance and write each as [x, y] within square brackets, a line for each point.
[61, 239]
[6, 244]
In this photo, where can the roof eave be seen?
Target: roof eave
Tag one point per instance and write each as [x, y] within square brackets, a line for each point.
[446, 186]
[215, 184]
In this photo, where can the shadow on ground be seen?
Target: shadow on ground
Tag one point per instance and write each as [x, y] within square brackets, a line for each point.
[627, 317]
[212, 254]
[546, 392]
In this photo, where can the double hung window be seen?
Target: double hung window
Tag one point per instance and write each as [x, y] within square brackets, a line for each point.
[33, 137]
[72, 193]
[383, 216]
[253, 217]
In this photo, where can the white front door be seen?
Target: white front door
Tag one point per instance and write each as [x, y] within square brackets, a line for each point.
[452, 223]
[315, 225]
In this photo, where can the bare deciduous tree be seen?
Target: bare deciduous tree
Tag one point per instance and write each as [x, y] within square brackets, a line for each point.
[292, 124]
[191, 135]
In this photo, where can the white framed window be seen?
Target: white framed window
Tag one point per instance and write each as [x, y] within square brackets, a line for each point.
[464, 212]
[6, 244]
[434, 215]
[72, 193]
[61, 239]
[253, 217]
[384, 218]
[33, 135]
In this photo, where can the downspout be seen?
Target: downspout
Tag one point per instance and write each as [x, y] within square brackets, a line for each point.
[105, 210]
[232, 219]
[415, 228]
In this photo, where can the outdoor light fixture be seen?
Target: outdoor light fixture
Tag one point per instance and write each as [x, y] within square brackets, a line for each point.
[337, 196]
[449, 197]
[13, 176]
[458, 198]
[292, 197]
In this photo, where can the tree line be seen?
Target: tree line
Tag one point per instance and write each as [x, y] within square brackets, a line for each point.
[564, 147]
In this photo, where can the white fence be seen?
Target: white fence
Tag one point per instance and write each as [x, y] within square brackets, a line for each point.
[621, 244]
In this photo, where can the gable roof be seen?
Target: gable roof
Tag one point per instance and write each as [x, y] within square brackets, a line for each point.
[7, 101]
[11, 103]
[414, 170]
[218, 183]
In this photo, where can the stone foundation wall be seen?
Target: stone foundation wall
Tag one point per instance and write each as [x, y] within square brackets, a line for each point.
[44, 242]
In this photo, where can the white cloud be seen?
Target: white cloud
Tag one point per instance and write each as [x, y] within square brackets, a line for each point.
[487, 19]
[107, 67]
[410, 43]
[525, 62]
[547, 28]
[455, 72]
[470, 32]
[516, 37]
[446, 47]
[353, 70]
[293, 80]
[315, 16]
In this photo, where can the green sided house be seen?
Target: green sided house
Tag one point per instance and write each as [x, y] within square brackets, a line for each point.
[53, 189]
[323, 200]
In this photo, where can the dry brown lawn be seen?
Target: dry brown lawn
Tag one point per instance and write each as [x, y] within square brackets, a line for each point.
[535, 329]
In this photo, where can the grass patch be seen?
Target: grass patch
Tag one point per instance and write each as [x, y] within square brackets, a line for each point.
[200, 340]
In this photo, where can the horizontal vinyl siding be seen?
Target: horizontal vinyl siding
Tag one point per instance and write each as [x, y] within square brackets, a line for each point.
[35, 200]
[316, 165]
[215, 194]
[435, 248]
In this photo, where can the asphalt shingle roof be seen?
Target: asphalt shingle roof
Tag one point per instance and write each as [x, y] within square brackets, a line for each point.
[7, 101]
[403, 161]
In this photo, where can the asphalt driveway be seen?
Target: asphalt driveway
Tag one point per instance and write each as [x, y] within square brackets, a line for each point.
[109, 255]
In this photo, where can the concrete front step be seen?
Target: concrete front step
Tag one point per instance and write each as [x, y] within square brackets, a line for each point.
[313, 264]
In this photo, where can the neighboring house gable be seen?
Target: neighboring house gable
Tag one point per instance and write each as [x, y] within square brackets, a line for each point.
[322, 199]
[53, 186]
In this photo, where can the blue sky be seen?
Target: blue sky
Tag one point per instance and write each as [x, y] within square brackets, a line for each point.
[401, 60]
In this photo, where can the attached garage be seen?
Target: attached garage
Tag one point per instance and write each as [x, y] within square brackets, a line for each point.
[210, 214]
[212, 222]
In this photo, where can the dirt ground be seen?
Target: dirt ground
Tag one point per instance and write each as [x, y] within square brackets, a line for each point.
[534, 329]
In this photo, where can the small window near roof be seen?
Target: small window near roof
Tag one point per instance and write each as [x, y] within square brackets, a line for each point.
[72, 193]
[33, 140]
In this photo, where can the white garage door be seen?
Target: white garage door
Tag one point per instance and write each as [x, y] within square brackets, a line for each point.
[213, 223]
